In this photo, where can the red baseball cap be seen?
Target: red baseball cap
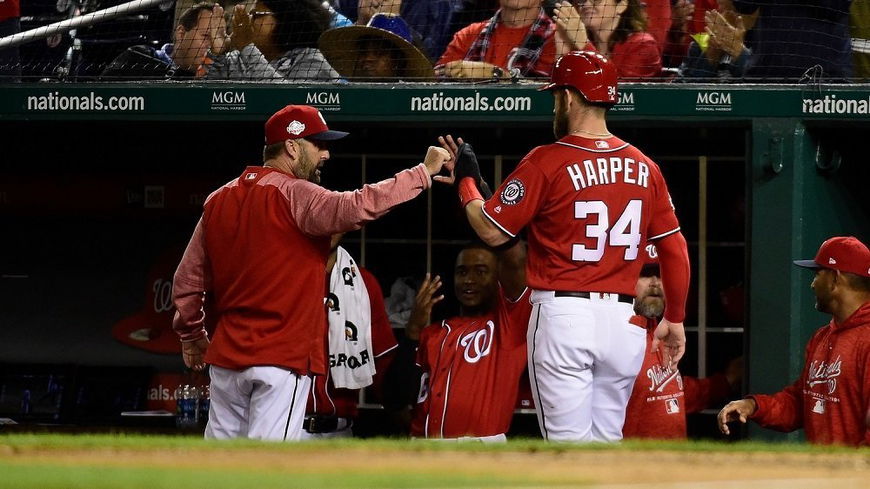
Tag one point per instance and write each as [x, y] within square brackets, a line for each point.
[843, 253]
[299, 121]
[650, 257]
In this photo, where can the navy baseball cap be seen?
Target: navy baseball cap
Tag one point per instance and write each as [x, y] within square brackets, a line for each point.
[843, 253]
[297, 122]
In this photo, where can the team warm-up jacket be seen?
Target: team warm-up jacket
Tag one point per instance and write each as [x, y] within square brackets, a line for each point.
[260, 249]
[588, 206]
[662, 398]
[471, 372]
[831, 399]
[325, 399]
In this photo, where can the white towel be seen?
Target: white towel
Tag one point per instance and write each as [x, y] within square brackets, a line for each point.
[351, 360]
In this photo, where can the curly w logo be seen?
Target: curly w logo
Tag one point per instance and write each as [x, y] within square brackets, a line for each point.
[478, 344]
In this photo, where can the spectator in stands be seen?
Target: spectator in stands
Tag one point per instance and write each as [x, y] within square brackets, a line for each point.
[517, 41]
[176, 61]
[10, 23]
[360, 343]
[721, 52]
[662, 397]
[380, 51]
[793, 37]
[430, 20]
[277, 40]
[617, 29]
[831, 398]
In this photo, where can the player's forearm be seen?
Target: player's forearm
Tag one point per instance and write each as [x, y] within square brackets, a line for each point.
[512, 269]
[674, 260]
[488, 232]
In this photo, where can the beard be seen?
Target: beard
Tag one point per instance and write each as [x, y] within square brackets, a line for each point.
[650, 306]
[309, 168]
[560, 123]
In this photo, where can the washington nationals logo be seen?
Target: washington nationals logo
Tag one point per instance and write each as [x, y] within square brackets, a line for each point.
[825, 374]
[513, 192]
[652, 251]
[478, 344]
[162, 295]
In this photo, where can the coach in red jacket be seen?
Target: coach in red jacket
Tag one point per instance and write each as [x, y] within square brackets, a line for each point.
[259, 251]
[662, 397]
[831, 399]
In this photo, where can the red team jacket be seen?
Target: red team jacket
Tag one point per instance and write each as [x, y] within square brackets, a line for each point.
[324, 398]
[661, 399]
[831, 399]
[471, 372]
[568, 195]
[260, 249]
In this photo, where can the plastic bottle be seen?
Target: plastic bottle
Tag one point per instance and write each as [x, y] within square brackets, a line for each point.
[185, 406]
[204, 404]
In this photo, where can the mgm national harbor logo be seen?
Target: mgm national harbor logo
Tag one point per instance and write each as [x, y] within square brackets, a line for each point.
[713, 101]
[228, 101]
[324, 101]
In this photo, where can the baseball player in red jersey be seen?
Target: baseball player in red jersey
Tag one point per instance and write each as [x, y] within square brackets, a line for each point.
[831, 399]
[588, 202]
[472, 362]
[661, 397]
[260, 251]
[358, 317]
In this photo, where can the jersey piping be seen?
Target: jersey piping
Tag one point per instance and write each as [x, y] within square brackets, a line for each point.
[512, 235]
[660, 236]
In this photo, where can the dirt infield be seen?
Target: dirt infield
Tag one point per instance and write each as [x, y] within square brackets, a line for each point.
[422, 465]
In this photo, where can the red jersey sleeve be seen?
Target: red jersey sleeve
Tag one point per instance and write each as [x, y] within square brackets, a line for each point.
[783, 411]
[663, 220]
[516, 318]
[703, 393]
[189, 287]
[518, 199]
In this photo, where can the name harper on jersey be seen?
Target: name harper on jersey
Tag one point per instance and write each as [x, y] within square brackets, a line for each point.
[605, 171]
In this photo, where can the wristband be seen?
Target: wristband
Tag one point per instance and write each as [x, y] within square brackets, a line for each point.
[468, 191]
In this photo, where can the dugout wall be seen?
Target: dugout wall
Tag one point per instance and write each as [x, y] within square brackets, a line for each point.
[98, 182]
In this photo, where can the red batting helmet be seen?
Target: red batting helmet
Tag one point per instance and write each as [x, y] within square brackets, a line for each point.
[587, 71]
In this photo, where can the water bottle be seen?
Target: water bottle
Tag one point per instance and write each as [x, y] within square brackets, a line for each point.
[204, 404]
[25, 402]
[185, 406]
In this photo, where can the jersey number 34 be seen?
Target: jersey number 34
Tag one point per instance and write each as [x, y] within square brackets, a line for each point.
[624, 233]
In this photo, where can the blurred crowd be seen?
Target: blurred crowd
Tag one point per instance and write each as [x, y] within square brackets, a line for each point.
[444, 40]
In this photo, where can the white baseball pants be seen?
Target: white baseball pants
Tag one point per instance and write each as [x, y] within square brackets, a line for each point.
[260, 403]
[584, 357]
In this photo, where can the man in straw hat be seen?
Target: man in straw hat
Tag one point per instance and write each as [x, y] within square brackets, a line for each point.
[382, 50]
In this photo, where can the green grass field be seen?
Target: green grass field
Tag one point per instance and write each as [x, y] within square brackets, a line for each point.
[127, 461]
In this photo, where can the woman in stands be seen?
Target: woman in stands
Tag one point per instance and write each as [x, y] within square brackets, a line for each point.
[617, 30]
[277, 40]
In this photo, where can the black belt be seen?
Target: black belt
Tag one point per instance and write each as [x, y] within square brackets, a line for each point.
[586, 295]
[324, 424]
